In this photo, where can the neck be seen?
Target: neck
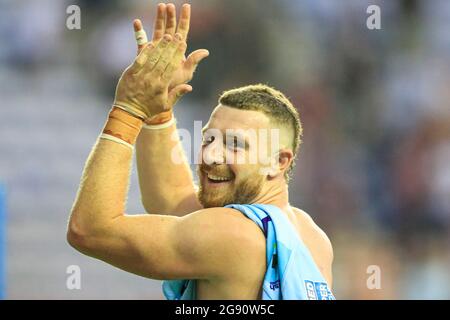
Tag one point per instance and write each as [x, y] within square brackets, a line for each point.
[275, 193]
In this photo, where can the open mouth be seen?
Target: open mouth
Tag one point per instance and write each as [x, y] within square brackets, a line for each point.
[217, 179]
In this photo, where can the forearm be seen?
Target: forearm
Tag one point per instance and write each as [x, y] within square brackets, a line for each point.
[104, 185]
[165, 178]
[104, 182]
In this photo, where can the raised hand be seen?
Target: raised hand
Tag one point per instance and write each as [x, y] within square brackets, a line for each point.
[143, 88]
[166, 23]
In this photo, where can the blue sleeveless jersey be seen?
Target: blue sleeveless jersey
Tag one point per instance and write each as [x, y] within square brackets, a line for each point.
[291, 273]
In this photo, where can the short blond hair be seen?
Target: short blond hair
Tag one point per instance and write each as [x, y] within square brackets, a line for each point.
[274, 104]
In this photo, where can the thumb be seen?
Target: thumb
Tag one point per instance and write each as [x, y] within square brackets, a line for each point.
[177, 92]
[194, 59]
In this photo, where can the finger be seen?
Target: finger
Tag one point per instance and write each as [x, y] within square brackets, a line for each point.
[171, 19]
[155, 53]
[160, 22]
[142, 58]
[176, 61]
[139, 34]
[185, 18]
[167, 55]
[194, 59]
[176, 93]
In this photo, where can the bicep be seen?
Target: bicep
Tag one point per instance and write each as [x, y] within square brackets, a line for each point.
[146, 245]
[168, 247]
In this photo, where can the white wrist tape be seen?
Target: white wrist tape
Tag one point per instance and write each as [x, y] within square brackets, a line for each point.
[141, 37]
[160, 126]
[112, 138]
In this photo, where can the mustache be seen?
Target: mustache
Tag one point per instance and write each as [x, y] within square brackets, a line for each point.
[218, 170]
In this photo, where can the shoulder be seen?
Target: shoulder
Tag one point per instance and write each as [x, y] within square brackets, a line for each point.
[311, 230]
[317, 242]
[222, 237]
[214, 222]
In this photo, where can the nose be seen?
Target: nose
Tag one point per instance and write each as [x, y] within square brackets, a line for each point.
[213, 153]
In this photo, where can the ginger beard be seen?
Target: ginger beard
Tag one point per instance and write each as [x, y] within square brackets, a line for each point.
[236, 189]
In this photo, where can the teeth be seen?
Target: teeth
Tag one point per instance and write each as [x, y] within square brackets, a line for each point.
[216, 178]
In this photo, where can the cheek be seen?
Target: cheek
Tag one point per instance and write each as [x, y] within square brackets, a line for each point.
[234, 169]
[256, 156]
[199, 172]
[245, 171]
[204, 153]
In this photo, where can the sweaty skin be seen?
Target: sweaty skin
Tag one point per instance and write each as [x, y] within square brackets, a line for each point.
[220, 247]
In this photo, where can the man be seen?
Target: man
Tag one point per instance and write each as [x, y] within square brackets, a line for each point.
[237, 236]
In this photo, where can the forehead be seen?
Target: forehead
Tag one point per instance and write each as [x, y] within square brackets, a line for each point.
[224, 117]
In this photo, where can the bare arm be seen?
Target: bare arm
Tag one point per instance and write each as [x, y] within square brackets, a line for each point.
[154, 246]
[166, 183]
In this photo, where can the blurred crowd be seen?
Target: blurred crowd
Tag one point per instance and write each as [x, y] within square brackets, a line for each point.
[374, 168]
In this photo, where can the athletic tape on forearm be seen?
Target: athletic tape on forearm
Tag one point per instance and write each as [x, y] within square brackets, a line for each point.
[160, 126]
[160, 118]
[122, 126]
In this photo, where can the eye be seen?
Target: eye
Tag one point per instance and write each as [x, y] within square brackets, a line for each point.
[234, 143]
[207, 139]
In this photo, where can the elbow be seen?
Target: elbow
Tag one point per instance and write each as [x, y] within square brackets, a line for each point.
[74, 236]
[78, 238]
[159, 206]
[86, 237]
[147, 206]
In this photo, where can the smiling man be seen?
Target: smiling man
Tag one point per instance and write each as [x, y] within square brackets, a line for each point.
[236, 236]
[239, 147]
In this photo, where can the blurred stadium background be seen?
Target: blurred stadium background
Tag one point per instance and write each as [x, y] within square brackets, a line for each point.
[374, 169]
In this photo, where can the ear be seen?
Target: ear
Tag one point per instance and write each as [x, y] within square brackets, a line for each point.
[280, 163]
